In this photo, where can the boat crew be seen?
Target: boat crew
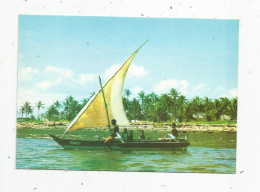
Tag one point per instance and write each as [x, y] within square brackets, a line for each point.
[130, 136]
[114, 135]
[173, 133]
[125, 135]
[116, 129]
[142, 136]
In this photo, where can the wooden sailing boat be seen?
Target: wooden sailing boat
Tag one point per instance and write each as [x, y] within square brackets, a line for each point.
[105, 105]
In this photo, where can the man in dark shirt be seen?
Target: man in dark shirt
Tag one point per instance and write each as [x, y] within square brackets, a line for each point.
[130, 136]
[114, 135]
[173, 133]
[142, 136]
[116, 129]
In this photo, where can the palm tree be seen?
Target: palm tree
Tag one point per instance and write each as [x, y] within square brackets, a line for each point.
[217, 110]
[57, 104]
[92, 94]
[127, 103]
[22, 110]
[197, 105]
[42, 116]
[207, 108]
[71, 108]
[232, 110]
[127, 93]
[181, 101]
[188, 111]
[224, 105]
[27, 108]
[135, 110]
[154, 97]
[174, 94]
[152, 106]
[52, 113]
[162, 108]
[167, 101]
[84, 101]
[39, 105]
[141, 95]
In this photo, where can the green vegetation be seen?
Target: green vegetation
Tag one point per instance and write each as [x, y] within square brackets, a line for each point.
[151, 107]
[39, 105]
[147, 107]
[26, 109]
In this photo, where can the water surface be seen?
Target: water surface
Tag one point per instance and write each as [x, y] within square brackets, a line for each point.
[47, 154]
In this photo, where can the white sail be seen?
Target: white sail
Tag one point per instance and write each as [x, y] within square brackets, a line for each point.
[93, 113]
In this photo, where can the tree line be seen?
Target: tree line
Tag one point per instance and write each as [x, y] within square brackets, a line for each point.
[145, 107]
[173, 105]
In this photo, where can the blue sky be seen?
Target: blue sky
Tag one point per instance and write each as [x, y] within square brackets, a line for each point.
[61, 56]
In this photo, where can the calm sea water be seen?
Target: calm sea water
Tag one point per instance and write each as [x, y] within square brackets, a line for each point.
[47, 154]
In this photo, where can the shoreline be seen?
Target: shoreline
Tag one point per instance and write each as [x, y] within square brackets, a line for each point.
[182, 127]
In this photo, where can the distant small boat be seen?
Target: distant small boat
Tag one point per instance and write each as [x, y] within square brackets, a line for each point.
[107, 104]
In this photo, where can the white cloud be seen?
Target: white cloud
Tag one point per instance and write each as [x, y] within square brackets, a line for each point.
[111, 71]
[34, 96]
[198, 87]
[44, 85]
[218, 89]
[134, 70]
[137, 70]
[165, 86]
[26, 73]
[135, 91]
[184, 85]
[26, 95]
[232, 93]
[81, 79]
[64, 72]
[86, 77]
[58, 81]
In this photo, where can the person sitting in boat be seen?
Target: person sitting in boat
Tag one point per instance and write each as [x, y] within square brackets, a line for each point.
[115, 133]
[125, 134]
[116, 129]
[142, 136]
[130, 136]
[173, 133]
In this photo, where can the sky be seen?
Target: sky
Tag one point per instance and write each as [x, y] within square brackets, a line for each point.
[64, 55]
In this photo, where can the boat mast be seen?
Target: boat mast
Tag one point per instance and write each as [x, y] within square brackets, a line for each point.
[105, 103]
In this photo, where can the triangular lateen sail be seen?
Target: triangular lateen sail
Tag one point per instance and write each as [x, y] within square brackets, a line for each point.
[93, 113]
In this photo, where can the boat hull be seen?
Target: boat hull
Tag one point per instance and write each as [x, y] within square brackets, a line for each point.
[139, 144]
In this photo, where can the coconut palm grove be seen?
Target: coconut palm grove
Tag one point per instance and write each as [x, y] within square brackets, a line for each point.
[144, 107]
